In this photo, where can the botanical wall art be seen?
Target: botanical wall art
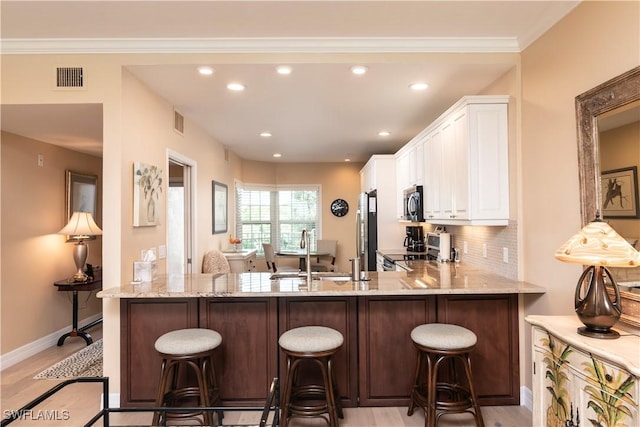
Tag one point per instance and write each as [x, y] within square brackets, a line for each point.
[147, 189]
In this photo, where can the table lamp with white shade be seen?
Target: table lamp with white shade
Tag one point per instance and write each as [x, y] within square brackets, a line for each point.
[81, 226]
[598, 246]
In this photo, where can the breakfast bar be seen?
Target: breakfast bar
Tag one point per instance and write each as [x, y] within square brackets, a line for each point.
[375, 316]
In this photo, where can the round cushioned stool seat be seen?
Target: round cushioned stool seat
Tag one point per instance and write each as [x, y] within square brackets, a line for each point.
[442, 345]
[311, 339]
[193, 349]
[314, 345]
[443, 337]
[188, 341]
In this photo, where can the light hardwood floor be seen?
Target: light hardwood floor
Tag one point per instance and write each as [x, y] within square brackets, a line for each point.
[76, 404]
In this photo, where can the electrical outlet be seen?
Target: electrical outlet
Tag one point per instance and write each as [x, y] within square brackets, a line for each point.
[505, 255]
[484, 250]
[40, 160]
[465, 247]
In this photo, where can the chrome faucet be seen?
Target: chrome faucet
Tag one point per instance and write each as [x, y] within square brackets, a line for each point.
[304, 244]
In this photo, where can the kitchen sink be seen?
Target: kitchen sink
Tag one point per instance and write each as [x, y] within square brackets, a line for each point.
[316, 275]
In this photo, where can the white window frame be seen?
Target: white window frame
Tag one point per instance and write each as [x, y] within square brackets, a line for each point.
[274, 220]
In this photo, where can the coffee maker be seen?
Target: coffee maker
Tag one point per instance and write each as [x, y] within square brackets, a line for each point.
[414, 239]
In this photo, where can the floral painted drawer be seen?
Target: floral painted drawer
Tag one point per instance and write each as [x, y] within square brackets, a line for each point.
[575, 387]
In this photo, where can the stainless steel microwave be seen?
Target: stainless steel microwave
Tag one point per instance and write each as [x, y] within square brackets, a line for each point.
[413, 204]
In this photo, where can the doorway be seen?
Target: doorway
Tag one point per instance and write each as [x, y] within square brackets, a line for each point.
[180, 239]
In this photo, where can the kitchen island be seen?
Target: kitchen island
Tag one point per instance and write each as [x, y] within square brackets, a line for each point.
[374, 367]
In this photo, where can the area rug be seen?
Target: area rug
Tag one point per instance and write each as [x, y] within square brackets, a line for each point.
[83, 363]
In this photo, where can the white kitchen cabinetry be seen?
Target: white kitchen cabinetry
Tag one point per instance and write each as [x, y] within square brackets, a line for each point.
[466, 176]
[379, 174]
[432, 153]
[409, 165]
[378, 169]
[583, 381]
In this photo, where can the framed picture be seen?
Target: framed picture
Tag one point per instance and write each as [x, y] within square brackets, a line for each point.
[147, 188]
[81, 194]
[219, 207]
[620, 193]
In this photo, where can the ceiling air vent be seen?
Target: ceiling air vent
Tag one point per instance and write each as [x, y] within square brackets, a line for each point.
[69, 77]
[178, 122]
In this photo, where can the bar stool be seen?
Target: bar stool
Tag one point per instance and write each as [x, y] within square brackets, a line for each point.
[191, 348]
[437, 342]
[317, 344]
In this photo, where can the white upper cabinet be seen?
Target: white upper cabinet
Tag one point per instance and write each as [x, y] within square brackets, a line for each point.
[409, 165]
[379, 173]
[466, 164]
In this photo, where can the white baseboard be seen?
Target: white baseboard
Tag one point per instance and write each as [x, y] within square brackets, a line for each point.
[526, 398]
[114, 400]
[35, 347]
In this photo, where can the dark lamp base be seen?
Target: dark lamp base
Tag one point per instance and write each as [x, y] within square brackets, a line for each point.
[603, 335]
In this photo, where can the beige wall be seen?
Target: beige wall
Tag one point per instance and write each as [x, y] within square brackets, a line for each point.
[33, 255]
[595, 42]
[620, 148]
[338, 180]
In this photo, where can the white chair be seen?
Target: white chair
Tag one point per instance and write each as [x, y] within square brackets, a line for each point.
[215, 262]
[325, 247]
[270, 259]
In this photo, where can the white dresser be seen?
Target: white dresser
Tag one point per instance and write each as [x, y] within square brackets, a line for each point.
[241, 261]
[584, 381]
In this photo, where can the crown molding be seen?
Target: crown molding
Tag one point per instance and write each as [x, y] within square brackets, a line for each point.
[262, 45]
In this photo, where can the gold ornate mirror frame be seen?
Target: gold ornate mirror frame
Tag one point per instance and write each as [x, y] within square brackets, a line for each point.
[608, 96]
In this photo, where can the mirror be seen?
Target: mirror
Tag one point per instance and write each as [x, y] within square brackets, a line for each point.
[609, 96]
[605, 103]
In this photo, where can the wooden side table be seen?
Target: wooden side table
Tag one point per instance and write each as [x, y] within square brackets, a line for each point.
[75, 287]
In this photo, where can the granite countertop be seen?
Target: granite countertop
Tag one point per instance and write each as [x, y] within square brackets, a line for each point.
[426, 278]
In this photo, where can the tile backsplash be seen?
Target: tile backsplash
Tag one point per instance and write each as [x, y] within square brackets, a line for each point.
[496, 239]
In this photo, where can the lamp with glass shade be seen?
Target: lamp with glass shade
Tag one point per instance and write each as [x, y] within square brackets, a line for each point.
[598, 246]
[81, 227]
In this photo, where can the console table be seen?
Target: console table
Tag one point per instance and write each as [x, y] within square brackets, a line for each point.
[69, 286]
[580, 381]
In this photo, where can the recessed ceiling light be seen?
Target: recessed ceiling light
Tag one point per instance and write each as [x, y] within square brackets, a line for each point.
[384, 133]
[205, 71]
[418, 86]
[265, 134]
[236, 87]
[284, 69]
[278, 155]
[358, 70]
[347, 159]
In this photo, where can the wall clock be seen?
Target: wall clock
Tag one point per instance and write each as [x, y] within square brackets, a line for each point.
[339, 207]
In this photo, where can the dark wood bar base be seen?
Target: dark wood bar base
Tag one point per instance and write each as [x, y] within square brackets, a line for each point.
[374, 367]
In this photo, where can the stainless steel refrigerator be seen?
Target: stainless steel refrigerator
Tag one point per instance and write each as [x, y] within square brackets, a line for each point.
[367, 230]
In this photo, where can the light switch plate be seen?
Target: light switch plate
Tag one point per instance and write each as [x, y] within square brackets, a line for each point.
[162, 251]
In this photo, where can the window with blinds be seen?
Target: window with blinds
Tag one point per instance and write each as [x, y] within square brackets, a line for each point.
[276, 215]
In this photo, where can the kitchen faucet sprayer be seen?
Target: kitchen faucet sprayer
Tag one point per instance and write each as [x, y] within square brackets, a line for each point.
[304, 244]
